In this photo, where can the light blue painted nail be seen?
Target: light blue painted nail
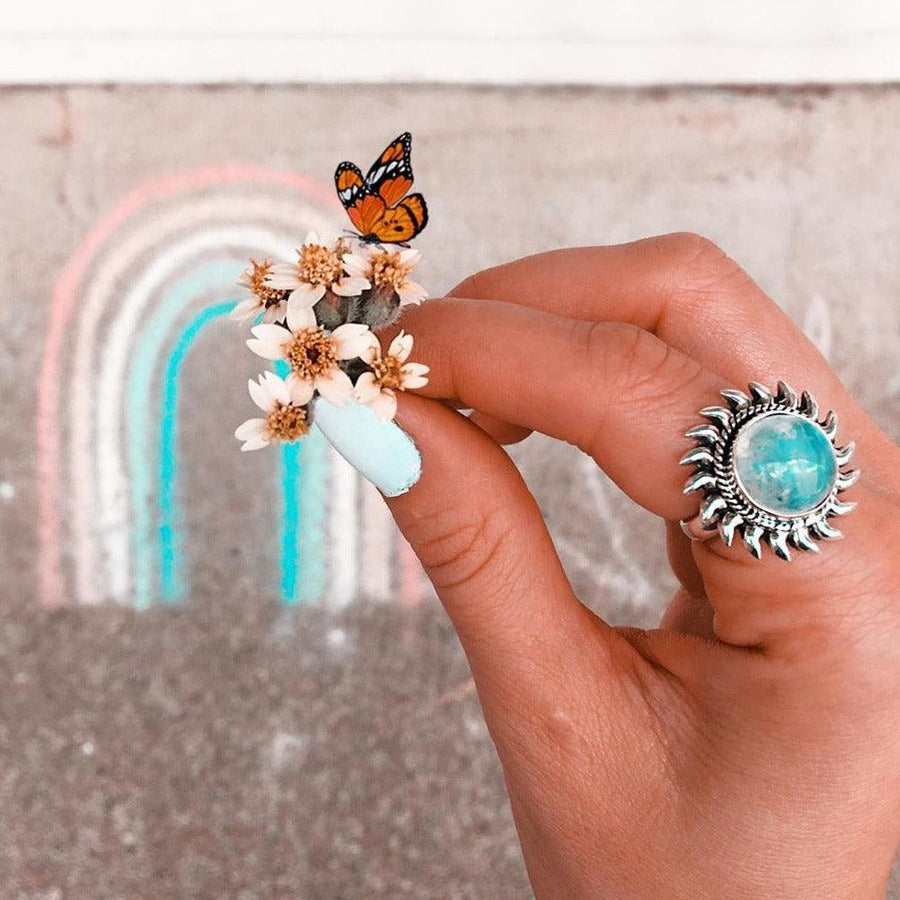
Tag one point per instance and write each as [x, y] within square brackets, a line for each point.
[381, 451]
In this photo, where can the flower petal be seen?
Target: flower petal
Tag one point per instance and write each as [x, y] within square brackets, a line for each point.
[414, 368]
[255, 444]
[298, 385]
[401, 346]
[300, 390]
[372, 353]
[411, 292]
[268, 340]
[260, 393]
[312, 238]
[277, 387]
[356, 265]
[274, 313]
[246, 309]
[283, 277]
[335, 386]
[252, 428]
[350, 286]
[307, 294]
[367, 388]
[412, 381]
[300, 314]
[410, 257]
[265, 349]
[385, 405]
[352, 340]
[273, 334]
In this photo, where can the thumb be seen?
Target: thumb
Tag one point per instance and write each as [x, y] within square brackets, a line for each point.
[483, 542]
[542, 662]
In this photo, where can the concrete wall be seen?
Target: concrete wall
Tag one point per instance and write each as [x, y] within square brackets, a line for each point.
[489, 41]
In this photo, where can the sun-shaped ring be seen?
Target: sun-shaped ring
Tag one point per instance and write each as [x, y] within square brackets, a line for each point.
[769, 470]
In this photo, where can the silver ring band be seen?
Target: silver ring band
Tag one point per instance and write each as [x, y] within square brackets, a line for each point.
[694, 529]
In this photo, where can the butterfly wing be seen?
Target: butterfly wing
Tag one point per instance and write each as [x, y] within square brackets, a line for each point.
[402, 222]
[349, 181]
[418, 210]
[365, 208]
[377, 203]
[391, 175]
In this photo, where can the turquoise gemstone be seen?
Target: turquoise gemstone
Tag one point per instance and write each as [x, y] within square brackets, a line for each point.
[784, 463]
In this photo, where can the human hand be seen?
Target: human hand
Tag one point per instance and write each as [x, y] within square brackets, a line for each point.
[748, 748]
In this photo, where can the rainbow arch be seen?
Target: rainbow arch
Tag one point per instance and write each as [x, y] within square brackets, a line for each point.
[126, 313]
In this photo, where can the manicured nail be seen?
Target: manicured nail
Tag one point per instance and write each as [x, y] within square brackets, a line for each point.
[380, 451]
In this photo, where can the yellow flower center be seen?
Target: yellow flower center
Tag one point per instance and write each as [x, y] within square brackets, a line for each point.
[387, 372]
[311, 352]
[287, 423]
[388, 271]
[268, 296]
[319, 265]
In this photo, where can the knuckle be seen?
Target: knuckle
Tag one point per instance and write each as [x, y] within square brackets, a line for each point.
[649, 373]
[459, 553]
[637, 373]
[689, 245]
[701, 267]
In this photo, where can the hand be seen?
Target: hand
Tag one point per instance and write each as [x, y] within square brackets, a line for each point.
[749, 747]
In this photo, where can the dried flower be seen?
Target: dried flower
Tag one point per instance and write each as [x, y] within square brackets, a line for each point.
[313, 353]
[319, 269]
[265, 299]
[284, 405]
[387, 271]
[390, 373]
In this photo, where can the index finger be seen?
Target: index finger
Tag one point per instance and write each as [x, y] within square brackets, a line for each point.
[686, 291]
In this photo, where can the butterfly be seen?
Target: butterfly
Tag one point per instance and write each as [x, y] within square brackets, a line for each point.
[378, 203]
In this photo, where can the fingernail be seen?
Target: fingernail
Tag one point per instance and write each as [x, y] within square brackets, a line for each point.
[380, 451]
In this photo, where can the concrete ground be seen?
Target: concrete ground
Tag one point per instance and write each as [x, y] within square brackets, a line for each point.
[232, 746]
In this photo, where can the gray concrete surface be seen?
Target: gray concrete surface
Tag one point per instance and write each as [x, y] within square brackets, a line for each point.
[229, 747]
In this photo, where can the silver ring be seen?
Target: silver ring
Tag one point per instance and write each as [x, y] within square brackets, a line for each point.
[769, 471]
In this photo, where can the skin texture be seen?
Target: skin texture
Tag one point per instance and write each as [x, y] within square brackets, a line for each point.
[749, 747]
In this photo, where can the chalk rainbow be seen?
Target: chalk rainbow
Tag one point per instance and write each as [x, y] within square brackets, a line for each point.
[156, 273]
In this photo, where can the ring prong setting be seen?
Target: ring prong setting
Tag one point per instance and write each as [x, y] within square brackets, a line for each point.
[769, 470]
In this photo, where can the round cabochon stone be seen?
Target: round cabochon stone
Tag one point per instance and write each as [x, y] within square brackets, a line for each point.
[784, 463]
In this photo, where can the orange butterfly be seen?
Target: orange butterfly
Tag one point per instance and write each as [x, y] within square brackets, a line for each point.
[378, 204]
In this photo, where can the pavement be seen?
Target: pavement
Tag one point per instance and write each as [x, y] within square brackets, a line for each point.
[190, 712]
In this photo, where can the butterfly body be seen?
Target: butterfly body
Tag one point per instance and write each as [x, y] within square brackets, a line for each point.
[379, 203]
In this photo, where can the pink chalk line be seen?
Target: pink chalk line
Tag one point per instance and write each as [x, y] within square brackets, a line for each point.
[64, 296]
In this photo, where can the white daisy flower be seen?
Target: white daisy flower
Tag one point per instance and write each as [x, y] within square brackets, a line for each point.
[387, 269]
[390, 373]
[264, 298]
[286, 419]
[319, 268]
[312, 352]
